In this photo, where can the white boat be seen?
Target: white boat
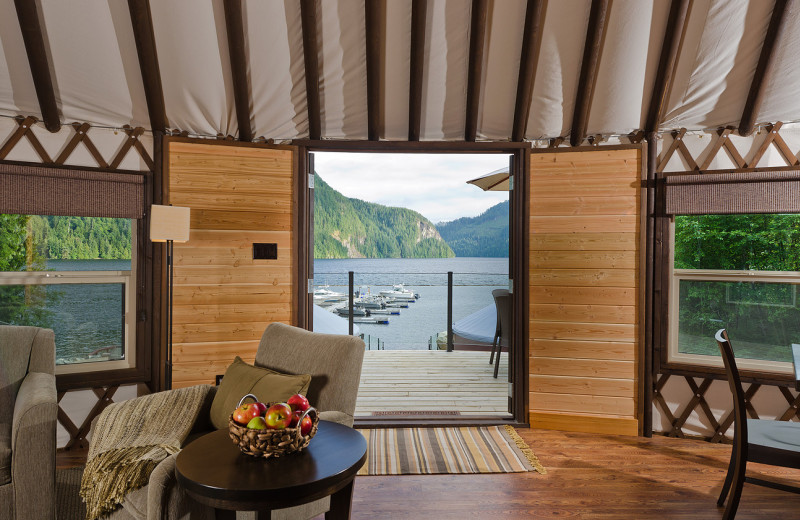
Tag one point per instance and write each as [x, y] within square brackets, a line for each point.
[357, 311]
[399, 292]
[323, 294]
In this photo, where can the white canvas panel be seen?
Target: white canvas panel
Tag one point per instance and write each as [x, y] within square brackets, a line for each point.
[444, 91]
[715, 90]
[397, 72]
[274, 48]
[559, 68]
[343, 69]
[195, 66]
[93, 54]
[505, 26]
[620, 95]
[780, 102]
[17, 94]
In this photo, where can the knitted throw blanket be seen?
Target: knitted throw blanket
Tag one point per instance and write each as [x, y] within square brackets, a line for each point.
[130, 438]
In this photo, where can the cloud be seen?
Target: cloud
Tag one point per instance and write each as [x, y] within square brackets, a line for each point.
[432, 184]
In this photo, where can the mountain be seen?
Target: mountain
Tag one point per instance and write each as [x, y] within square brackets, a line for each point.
[483, 236]
[352, 228]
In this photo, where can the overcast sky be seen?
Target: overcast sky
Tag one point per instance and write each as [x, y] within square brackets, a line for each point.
[432, 184]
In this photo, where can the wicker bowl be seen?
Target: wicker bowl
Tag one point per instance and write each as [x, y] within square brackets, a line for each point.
[269, 443]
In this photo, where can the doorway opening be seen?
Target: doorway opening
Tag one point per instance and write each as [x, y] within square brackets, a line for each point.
[408, 250]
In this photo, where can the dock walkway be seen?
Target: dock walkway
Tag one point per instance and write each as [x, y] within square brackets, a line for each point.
[431, 381]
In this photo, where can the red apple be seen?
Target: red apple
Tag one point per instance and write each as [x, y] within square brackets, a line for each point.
[257, 423]
[295, 418]
[262, 408]
[305, 425]
[244, 413]
[298, 402]
[278, 416]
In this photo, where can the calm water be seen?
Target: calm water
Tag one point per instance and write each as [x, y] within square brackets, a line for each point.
[86, 317]
[473, 282]
[89, 317]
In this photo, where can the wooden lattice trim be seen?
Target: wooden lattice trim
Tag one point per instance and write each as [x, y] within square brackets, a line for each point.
[77, 435]
[698, 401]
[80, 136]
[723, 142]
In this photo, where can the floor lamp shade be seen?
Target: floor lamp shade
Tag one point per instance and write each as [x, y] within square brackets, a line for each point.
[169, 223]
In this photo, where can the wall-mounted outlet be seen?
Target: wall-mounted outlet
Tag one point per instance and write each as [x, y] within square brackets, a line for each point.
[265, 251]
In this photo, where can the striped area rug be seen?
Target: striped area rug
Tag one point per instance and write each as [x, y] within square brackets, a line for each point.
[423, 451]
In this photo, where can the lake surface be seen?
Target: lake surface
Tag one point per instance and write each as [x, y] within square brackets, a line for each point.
[87, 317]
[474, 279]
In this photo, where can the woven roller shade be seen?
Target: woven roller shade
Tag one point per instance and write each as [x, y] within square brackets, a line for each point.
[41, 190]
[725, 193]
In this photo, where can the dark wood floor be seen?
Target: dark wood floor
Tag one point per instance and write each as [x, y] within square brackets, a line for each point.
[589, 477]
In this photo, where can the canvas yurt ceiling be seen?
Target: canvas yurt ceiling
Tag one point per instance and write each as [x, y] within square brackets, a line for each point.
[471, 56]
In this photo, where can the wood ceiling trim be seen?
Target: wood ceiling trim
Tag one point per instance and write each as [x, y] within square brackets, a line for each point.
[673, 35]
[234, 25]
[308, 16]
[419, 9]
[142, 23]
[35, 48]
[477, 40]
[764, 69]
[531, 45]
[374, 16]
[591, 58]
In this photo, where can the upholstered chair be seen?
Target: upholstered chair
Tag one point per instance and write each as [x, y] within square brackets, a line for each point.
[334, 363]
[28, 411]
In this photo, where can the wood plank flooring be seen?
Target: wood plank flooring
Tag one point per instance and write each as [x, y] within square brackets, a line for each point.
[432, 381]
[591, 477]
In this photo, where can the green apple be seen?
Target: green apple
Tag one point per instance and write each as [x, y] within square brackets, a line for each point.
[257, 423]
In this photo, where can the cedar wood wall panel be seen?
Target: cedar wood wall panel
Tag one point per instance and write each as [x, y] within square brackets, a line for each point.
[584, 289]
[223, 299]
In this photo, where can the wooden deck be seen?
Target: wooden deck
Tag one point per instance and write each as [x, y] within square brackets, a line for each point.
[431, 381]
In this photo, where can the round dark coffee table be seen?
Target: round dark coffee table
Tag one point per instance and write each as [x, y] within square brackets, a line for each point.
[214, 472]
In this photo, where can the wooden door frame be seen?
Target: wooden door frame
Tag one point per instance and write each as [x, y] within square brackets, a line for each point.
[518, 257]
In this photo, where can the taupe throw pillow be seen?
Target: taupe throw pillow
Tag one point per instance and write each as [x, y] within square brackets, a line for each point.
[241, 379]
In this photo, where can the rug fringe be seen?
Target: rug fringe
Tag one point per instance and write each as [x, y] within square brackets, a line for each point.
[526, 450]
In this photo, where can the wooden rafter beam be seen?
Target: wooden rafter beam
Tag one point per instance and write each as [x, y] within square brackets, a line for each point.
[308, 16]
[670, 48]
[419, 8]
[32, 36]
[527, 68]
[375, 16]
[477, 39]
[591, 58]
[234, 25]
[763, 72]
[142, 23]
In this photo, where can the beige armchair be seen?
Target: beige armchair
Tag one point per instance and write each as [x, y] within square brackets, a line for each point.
[334, 362]
[28, 411]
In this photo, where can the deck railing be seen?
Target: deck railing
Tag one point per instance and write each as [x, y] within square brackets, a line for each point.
[372, 300]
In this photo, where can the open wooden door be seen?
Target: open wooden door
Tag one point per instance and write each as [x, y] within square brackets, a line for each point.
[227, 287]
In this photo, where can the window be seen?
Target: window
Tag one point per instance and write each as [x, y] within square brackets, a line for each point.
[74, 275]
[740, 272]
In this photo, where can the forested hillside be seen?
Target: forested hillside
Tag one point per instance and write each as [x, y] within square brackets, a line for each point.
[352, 228]
[81, 238]
[483, 236]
